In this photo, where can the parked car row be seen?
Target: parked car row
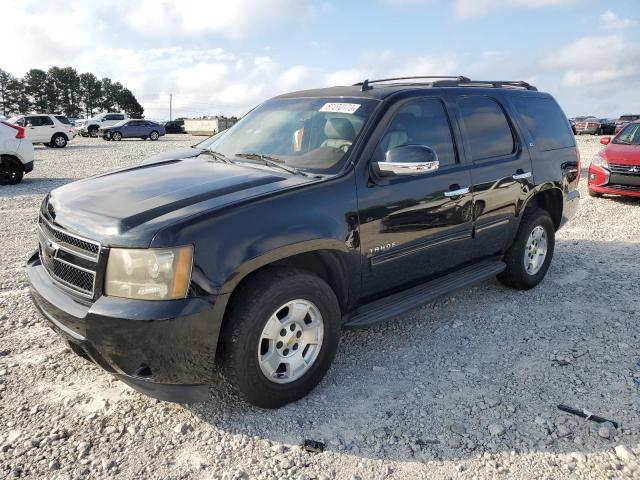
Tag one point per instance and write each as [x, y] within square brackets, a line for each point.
[592, 125]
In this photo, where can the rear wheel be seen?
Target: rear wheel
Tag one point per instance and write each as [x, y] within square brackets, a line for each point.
[154, 135]
[530, 255]
[59, 141]
[280, 336]
[11, 171]
[116, 136]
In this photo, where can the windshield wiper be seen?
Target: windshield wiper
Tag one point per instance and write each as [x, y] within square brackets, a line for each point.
[217, 155]
[271, 162]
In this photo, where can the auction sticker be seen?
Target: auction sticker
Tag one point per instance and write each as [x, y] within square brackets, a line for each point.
[340, 107]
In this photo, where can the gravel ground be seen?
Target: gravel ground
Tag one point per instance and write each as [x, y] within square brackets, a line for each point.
[466, 386]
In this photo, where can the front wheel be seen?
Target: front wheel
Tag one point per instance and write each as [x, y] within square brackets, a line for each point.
[93, 132]
[530, 255]
[280, 337]
[116, 136]
[59, 141]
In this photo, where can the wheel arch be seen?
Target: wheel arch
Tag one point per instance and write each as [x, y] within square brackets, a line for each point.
[549, 198]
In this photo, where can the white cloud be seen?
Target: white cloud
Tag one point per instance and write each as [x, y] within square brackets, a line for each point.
[611, 21]
[595, 60]
[464, 9]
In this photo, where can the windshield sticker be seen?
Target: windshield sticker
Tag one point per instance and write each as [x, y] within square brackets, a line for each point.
[340, 107]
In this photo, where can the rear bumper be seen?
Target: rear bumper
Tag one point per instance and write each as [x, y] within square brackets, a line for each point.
[28, 167]
[164, 349]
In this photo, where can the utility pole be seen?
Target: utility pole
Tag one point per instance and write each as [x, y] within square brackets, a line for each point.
[170, 106]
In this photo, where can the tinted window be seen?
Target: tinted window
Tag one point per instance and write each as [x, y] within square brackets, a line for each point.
[423, 122]
[114, 117]
[630, 135]
[63, 119]
[38, 121]
[485, 127]
[545, 122]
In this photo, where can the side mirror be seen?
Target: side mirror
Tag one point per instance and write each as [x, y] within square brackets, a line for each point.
[605, 140]
[407, 160]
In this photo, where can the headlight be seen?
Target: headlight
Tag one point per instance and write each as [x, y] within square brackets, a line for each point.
[149, 274]
[599, 160]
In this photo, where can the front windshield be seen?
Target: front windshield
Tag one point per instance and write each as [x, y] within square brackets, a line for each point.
[629, 136]
[310, 134]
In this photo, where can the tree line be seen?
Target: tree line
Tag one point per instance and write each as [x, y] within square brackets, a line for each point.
[63, 90]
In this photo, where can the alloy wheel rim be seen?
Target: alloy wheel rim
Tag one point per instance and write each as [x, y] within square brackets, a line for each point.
[8, 172]
[290, 341]
[60, 141]
[535, 251]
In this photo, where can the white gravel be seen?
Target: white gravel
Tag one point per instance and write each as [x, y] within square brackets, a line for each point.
[467, 386]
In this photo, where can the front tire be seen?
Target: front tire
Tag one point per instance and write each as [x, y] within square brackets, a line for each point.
[530, 255]
[59, 141]
[116, 136]
[93, 132]
[280, 336]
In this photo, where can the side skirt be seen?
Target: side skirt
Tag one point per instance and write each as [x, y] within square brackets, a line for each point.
[402, 302]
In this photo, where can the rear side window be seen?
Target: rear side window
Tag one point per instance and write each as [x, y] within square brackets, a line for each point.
[38, 121]
[422, 122]
[545, 121]
[485, 127]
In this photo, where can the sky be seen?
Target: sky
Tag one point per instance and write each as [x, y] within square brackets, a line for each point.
[226, 56]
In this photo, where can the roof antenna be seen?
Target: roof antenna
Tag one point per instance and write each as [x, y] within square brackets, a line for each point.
[365, 85]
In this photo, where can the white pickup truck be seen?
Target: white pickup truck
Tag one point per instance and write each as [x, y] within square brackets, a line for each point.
[89, 127]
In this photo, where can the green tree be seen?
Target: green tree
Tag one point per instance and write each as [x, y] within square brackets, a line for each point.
[5, 78]
[90, 92]
[35, 83]
[128, 102]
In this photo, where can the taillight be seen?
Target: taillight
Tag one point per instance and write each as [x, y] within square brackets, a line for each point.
[20, 134]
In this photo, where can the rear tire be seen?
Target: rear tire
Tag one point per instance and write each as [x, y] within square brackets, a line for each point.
[526, 265]
[267, 332]
[154, 136]
[11, 171]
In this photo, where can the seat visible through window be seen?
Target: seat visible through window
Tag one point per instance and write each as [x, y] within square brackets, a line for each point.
[339, 133]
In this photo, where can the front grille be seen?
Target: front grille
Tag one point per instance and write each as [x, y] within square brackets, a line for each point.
[71, 260]
[626, 188]
[625, 169]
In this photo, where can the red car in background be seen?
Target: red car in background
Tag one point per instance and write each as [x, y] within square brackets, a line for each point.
[616, 169]
[624, 120]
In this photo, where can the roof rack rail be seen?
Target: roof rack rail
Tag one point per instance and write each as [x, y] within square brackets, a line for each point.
[447, 81]
[365, 84]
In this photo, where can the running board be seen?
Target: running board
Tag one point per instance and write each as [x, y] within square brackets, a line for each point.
[402, 302]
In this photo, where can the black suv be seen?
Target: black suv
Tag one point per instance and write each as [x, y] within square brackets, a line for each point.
[319, 210]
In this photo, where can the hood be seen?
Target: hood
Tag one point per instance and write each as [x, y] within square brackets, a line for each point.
[128, 207]
[186, 152]
[622, 154]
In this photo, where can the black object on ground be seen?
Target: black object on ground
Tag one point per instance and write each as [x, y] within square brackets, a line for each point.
[313, 446]
[586, 415]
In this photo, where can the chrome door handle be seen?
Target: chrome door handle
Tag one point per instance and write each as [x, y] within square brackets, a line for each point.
[456, 193]
[521, 176]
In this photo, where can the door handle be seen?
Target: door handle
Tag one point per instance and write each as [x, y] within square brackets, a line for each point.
[521, 176]
[456, 193]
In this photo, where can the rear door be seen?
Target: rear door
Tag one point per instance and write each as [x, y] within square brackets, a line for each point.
[501, 173]
[416, 226]
[39, 128]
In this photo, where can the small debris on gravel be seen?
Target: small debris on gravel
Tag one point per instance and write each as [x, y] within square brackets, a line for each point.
[467, 386]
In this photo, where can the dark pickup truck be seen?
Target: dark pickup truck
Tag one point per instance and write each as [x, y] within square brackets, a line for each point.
[319, 210]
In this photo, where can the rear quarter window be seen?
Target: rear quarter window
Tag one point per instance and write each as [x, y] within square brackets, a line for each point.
[63, 119]
[545, 122]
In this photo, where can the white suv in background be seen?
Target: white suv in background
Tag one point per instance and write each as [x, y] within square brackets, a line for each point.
[89, 127]
[16, 154]
[50, 130]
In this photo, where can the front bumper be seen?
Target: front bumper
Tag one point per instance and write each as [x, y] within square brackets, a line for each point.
[165, 349]
[602, 181]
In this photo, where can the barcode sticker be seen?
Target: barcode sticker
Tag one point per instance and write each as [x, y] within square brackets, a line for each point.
[340, 107]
